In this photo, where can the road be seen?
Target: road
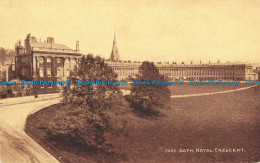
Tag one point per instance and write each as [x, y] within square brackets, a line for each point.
[15, 145]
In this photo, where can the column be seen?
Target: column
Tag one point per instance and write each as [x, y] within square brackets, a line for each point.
[34, 67]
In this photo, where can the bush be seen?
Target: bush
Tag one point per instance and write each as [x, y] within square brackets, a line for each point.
[19, 90]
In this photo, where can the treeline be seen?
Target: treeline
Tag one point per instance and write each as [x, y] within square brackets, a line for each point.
[6, 55]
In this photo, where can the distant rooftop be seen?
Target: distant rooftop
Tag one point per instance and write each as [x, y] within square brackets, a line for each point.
[161, 64]
[47, 45]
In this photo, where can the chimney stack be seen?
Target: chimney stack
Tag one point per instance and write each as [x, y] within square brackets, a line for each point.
[77, 45]
[50, 40]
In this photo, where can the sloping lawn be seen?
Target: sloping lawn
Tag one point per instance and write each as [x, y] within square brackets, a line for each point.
[222, 121]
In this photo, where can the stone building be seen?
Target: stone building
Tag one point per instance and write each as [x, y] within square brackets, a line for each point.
[257, 70]
[217, 71]
[46, 60]
[210, 71]
[250, 74]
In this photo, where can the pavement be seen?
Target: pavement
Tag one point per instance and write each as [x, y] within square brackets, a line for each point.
[15, 145]
[27, 99]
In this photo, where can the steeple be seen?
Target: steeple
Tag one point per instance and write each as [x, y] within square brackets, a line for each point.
[114, 54]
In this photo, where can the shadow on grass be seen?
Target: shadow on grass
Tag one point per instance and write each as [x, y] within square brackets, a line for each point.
[144, 108]
[68, 144]
[151, 114]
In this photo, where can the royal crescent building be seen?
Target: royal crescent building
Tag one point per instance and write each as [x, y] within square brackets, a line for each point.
[209, 71]
[48, 60]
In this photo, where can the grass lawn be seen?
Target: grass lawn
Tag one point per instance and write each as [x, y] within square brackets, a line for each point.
[196, 89]
[229, 120]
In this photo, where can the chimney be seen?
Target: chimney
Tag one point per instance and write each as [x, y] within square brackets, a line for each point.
[191, 62]
[33, 39]
[200, 62]
[209, 61]
[77, 45]
[50, 40]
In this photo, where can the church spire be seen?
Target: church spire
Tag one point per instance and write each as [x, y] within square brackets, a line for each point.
[114, 54]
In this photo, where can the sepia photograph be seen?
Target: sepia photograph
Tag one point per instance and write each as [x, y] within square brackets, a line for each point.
[134, 81]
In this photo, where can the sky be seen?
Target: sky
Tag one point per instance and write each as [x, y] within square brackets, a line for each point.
[153, 30]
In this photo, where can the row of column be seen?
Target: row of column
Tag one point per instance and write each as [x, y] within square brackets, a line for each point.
[55, 64]
[188, 72]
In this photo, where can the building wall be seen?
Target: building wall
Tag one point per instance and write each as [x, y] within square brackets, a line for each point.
[52, 68]
[227, 71]
[23, 66]
[47, 61]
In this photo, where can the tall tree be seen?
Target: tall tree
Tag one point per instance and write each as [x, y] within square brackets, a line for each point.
[93, 107]
[149, 99]
[2, 56]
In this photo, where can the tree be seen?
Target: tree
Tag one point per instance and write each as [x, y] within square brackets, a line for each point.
[2, 56]
[148, 99]
[93, 108]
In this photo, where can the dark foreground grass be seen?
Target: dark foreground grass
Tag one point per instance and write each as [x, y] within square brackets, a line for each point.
[229, 120]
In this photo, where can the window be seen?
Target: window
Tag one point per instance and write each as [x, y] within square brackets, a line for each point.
[41, 72]
[67, 62]
[58, 72]
[42, 85]
[41, 59]
[13, 67]
[48, 59]
[67, 72]
[58, 60]
[48, 72]
[50, 85]
[73, 63]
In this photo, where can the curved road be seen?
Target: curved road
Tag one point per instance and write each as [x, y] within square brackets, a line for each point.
[212, 93]
[15, 145]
